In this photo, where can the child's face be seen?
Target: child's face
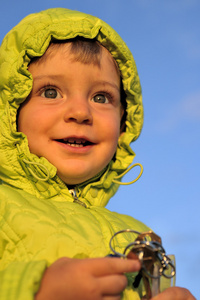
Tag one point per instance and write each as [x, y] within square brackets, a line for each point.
[72, 116]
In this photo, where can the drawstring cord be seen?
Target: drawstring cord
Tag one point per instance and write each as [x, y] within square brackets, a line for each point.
[125, 172]
[44, 177]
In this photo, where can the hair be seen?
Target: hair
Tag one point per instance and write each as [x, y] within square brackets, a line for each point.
[86, 51]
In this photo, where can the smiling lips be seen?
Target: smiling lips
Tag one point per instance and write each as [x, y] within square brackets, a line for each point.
[75, 142]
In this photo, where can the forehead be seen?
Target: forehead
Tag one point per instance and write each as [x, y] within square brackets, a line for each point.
[85, 51]
[68, 68]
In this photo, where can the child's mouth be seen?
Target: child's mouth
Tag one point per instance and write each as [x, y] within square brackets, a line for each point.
[75, 142]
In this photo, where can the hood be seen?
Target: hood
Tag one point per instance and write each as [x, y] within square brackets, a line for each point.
[30, 38]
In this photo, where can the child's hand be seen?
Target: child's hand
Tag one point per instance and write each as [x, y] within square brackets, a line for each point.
[175, 293]
[86, 279]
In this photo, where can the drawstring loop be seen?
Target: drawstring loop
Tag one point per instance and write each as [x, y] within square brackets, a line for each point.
[30, 166]
[45, 178]
[125, 172]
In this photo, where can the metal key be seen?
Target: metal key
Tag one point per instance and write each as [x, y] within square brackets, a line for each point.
[147, 254]
[155, 263]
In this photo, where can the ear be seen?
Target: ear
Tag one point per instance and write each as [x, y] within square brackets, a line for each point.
[123, 119]
[121, 134]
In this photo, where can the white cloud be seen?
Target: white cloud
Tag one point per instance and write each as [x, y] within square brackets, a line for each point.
[187, 110]
[170, 5]
[190, 107]
[189, 42]
[180, 5]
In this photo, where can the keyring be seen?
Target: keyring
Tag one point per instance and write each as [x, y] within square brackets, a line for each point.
[114, 235]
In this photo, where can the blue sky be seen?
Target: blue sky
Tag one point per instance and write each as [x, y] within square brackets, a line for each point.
[164, 39]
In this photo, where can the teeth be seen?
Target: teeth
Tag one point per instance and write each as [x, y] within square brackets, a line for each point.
[76, 145]
[75, 142]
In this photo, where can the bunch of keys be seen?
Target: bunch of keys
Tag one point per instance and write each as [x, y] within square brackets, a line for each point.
[155, 263]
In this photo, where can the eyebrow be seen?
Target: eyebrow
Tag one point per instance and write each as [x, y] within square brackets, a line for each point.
[39, 77]
[102, 82]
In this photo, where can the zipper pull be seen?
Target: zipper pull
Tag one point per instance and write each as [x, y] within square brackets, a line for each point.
[76, 200]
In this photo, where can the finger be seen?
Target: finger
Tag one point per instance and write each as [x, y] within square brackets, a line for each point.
[111, 265]
[132, 255]
[175, 293]
[118, 297]
[113, 284]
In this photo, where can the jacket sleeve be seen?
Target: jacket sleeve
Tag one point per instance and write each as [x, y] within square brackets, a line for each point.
[21, 280]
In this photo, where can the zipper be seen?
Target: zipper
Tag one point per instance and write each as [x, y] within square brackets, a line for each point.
[76, 200]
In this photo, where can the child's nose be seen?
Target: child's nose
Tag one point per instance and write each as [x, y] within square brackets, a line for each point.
[79, 111]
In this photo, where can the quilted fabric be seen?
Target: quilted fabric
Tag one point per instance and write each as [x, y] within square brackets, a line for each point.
[40, 222]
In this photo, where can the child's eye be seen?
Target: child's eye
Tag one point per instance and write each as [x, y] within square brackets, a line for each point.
[51, 93]
[100, 98]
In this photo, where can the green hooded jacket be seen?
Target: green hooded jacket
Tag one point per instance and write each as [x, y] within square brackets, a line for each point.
[40, 219]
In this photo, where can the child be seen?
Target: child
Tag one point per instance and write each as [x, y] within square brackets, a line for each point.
[70, 107]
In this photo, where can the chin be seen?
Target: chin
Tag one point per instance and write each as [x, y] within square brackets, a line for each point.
[68, 180]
